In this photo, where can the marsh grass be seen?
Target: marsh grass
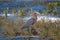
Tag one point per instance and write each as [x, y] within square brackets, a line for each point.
[8, 26]
[44, 29]
[51, 29]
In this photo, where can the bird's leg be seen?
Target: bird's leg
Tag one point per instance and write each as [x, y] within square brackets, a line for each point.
[29, 30]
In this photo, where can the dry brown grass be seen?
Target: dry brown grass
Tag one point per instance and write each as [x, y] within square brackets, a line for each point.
[8, 26]
[48, 29]
[43, 28]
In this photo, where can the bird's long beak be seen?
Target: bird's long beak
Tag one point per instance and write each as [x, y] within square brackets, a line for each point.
[37, 13]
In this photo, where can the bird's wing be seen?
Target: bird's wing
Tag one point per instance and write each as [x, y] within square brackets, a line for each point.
[28, 23]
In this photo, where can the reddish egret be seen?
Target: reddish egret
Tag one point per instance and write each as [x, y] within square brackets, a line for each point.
[29, 24]
[30, 21]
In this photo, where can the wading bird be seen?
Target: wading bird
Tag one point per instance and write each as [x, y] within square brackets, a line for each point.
[29, 24]
[31, 21]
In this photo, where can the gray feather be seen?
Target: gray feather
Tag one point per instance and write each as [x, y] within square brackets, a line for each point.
[28, 23]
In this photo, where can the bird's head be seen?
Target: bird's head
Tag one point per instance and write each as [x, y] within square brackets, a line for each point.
[34, 14]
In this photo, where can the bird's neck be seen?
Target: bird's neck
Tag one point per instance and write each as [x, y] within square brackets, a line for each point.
[35, 17]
